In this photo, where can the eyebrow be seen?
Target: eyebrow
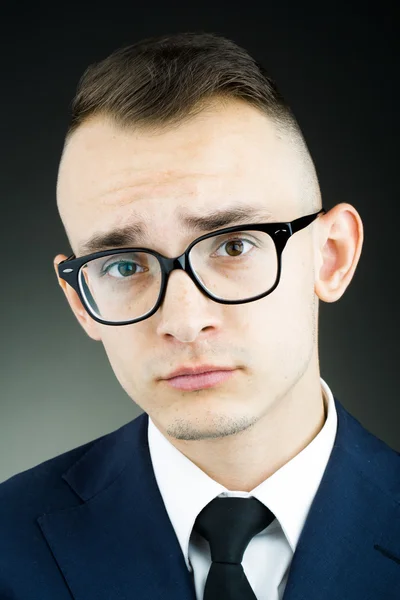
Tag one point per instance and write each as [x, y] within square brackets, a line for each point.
[133, 234]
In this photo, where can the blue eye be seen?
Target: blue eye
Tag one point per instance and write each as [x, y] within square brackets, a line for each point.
[123, 269]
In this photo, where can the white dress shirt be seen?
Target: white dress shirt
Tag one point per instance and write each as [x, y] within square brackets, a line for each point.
[288, 493]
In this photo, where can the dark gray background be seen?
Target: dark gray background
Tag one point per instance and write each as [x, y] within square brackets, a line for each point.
[337, 67]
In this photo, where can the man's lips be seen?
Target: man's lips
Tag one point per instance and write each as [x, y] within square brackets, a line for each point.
[201, 380]
[197, 370]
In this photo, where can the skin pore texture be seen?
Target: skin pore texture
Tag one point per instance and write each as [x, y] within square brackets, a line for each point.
[243, 430]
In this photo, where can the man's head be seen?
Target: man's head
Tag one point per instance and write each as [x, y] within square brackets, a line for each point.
[191, 124]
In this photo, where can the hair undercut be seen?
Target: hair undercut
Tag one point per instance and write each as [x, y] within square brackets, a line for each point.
[161, 82]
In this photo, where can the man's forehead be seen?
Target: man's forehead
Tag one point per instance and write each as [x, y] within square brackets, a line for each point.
[116, 173]
[121, 187]
[100, 154]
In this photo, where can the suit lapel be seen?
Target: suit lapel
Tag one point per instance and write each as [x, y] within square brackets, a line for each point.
[120, 544]
[350, 544]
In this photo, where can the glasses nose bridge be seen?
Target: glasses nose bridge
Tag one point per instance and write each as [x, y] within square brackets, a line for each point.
[179, 262]
[171, 264]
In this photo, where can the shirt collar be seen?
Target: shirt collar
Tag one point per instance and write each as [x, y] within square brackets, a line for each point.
[288, 492]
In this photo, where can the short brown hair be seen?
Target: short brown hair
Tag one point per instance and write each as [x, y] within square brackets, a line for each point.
[165, 80]
[162, 81]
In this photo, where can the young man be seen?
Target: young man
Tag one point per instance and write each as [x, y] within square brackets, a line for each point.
[201, 251]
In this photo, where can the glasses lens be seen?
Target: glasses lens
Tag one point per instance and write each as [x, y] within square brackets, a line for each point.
[121, 287]
[236, 266]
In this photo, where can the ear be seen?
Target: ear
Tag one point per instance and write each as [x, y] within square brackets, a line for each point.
[338, 237]
[91, 326]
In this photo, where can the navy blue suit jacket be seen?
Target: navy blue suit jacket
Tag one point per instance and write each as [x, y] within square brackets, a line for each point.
[91, 524]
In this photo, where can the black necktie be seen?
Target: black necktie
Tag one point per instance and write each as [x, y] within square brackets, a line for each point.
[229, 524]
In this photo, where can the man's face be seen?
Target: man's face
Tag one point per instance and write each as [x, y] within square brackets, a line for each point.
[110, 177]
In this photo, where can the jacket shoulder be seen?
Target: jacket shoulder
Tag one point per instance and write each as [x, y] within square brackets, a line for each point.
[26, 559]
[41, 489]
[369, 453]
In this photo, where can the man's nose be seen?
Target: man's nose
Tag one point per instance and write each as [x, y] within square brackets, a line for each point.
[186, 311]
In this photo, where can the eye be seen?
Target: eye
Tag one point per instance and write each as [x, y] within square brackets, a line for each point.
[122, 269]
[235, 247]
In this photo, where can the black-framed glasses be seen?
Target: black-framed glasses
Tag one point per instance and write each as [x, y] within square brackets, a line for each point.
[233, 265]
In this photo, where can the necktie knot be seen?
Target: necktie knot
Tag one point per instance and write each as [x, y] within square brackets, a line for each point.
[228, 524]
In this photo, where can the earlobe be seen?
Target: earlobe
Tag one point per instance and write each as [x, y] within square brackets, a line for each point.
[338, 251]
